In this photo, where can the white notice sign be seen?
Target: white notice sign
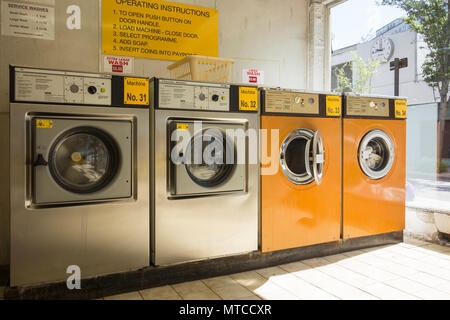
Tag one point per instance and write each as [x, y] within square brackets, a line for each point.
[28, 20]
[117, 64]
[252, 76]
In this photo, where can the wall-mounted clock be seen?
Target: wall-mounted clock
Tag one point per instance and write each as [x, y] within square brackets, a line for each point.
[382, 49]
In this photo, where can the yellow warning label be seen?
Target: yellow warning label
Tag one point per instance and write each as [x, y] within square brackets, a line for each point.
[44, 124]
[400, 109]
[135, 91]
[334, 106]
[158, 29]
[182, 126]
[248, 99]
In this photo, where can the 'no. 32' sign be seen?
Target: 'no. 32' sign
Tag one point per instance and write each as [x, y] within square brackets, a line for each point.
[136, 91]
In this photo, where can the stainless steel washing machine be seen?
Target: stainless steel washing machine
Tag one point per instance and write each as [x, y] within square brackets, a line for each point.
[79, 176]
[206, 172]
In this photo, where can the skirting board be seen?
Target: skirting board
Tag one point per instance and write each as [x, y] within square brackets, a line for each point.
[98, 287]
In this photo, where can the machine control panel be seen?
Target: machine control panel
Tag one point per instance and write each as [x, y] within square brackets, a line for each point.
[365, 106]
[193, 96]
[291, 102]
[36, 85]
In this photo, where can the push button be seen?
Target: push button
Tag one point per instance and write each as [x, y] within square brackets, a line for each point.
[92, 90]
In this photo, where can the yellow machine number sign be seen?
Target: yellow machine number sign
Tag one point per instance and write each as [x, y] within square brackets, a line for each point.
[400, 109]
[158, 29]
[136, 91]
[248, 99]
[333, 106]
[44, 124]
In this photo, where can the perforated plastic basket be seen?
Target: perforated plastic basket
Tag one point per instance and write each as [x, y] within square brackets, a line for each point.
[202, 68]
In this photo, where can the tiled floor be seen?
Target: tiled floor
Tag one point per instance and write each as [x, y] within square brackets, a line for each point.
[411, 270]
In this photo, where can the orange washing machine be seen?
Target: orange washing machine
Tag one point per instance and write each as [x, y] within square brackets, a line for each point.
[300, 170]
[374, 144]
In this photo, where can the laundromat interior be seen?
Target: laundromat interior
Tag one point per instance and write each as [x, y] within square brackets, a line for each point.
[303, 191]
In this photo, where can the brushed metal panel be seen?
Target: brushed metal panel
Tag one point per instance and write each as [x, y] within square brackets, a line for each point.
[101, 238]
[199, 228]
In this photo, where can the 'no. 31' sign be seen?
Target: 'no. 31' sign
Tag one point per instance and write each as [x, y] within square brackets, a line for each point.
[136, 91]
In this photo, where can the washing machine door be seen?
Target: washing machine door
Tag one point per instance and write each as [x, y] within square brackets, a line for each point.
[210, 157]
[376, 154]
[83, 160]
[302, 157]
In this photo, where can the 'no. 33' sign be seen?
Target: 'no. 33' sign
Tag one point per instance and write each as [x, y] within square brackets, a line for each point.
[135, 91]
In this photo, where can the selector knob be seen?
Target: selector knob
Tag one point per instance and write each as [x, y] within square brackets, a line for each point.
[92, 90]
[202, 96]
[74, 88]
[215, 98]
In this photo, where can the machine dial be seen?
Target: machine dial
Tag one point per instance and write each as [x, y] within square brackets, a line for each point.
[74, 88]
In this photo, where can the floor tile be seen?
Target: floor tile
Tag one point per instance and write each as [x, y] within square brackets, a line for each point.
[295, 266]
[443, 286]
[271, 272]
[432, 294]
[271, 291]
[316, 262]
[232, 291]
[427, 279]
[353, 253]
[302, 289]
[250, 279]
[406, 285]
[126, 296]
[348, 276]
[195, 290]
[313, 276]
[398, 269]
[415, 242]
[160, 293]
[344, 291]
[369, 271]
[252, 297]
[336, 257]
[385, 292]
[219, 282]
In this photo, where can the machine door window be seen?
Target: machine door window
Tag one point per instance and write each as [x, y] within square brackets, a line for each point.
[376, 154]
[84, 160]
[210, 157]
[302, 157]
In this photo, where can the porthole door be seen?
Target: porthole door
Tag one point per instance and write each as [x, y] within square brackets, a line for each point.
[376, 154]
[302, 157]
[212, 163]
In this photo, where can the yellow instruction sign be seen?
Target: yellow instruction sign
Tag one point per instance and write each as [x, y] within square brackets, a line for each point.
[44, 124]
[182, 126]
[400, 109]
[156, 29]
[136, 91]
[334, 106]
[248, 99]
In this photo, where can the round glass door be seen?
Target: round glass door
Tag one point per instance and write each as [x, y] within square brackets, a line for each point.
[376, 154]
[302, 157]
[84, 160]
[210, 158]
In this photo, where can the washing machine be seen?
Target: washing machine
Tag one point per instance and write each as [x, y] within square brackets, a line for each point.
[79, 175]
[374, 144]
[300, 168]
[206, 170]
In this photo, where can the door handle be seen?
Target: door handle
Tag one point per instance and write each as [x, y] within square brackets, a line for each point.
[40, 161]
